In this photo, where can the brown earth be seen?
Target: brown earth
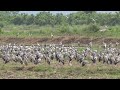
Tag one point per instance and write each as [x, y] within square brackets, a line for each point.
[65, 40]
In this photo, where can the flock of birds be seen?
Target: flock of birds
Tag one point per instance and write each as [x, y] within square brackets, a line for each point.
[109, 54]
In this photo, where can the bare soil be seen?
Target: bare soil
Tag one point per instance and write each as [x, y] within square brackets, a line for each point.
[56, 40]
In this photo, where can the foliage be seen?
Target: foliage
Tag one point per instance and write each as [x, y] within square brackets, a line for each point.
[83, 23]
[92, 28]
[60, 30]
[47, 18]
[1, 25]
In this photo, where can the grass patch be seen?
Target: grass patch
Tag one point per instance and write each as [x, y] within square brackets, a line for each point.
[59, 30]
[62, 72]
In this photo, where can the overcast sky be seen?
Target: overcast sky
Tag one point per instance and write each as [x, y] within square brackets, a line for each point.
[54, 12]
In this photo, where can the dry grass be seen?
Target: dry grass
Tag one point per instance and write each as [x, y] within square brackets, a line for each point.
[58, 71]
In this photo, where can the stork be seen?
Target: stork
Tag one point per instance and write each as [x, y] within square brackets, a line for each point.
[116, 44]
[90, 44]
[104, 45]
[51, 35]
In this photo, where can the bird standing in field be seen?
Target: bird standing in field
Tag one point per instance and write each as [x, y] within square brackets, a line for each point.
[104, 45]
[78, 43]
[51, 35]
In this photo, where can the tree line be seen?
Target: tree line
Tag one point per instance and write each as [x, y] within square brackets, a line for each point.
[47, 18]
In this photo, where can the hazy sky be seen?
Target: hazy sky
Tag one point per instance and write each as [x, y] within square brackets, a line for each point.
[54, 12]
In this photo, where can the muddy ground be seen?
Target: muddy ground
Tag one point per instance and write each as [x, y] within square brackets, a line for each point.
[56, 40]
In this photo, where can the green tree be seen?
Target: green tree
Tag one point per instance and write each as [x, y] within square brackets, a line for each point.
[60, 19]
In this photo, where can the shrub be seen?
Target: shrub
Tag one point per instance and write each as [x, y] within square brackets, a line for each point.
[93, 28]
[1, 31]
[64, 29]
[1, 25]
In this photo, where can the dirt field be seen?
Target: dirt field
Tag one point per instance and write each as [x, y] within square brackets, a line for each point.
[65, 40]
